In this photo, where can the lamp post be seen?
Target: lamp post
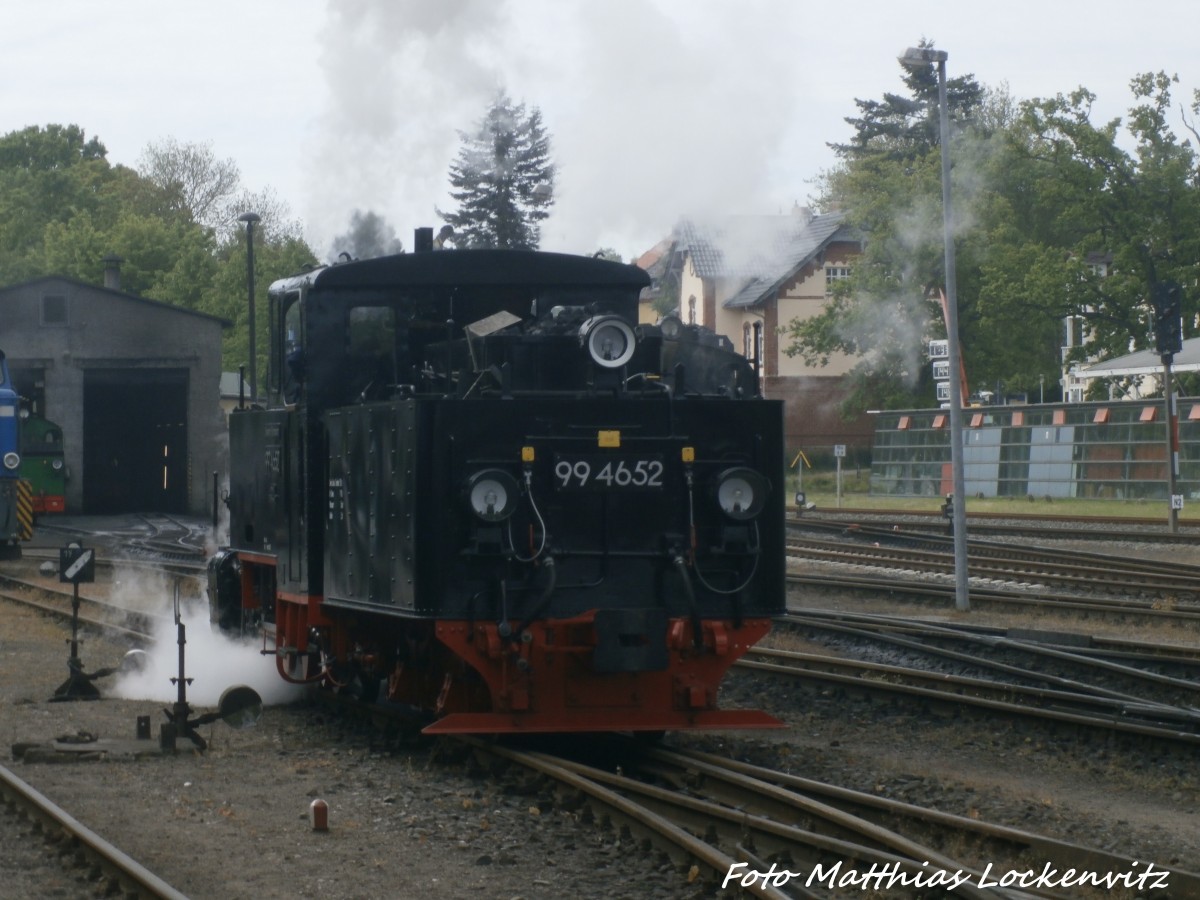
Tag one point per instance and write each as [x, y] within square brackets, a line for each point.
[919, 58]
[250, 218]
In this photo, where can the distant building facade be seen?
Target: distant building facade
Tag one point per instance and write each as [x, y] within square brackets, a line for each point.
[747, 278]
[134, 385]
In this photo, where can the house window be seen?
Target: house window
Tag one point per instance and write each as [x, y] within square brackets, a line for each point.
[54, 309]
[834, 274]
[747, 344]
[692, 310]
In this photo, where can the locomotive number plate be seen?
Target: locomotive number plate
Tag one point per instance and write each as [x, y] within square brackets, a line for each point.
[608, 473]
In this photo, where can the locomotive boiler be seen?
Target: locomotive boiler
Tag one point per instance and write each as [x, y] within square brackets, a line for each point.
[478, 489]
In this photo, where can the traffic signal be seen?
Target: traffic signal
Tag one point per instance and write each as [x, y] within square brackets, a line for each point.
[1168, 317]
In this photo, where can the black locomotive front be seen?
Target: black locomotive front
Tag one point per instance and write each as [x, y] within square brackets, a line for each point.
[531, 513]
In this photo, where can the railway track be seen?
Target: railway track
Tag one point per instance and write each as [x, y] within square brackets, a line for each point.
[1057, 678]
[159, 538]
[111, 561]
[1012, 525]
[770, 829]
[1005, 563]
[773, 834]
[949, 694]
[100, 859]
[1036, 554]
[917, 588]
[1140, 659]
[135, 624]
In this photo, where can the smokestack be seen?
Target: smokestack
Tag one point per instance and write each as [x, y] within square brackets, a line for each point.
[112, 271]
[423, 240]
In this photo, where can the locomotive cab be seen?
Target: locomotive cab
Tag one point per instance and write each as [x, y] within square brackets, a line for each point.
[481, 490]
[16, 498]
[43, 463]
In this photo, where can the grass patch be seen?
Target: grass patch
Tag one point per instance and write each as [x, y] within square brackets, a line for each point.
[821, 488]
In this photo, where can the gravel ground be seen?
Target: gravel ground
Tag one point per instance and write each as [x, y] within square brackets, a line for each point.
[405, 821]
[235, 822]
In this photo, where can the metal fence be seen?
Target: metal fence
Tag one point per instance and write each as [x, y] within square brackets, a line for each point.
[1114, 450]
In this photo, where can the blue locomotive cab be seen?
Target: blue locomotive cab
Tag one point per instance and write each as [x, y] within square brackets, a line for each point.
[9, 421]
[16, 503]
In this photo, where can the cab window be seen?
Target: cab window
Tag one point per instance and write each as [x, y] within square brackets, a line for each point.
[371, 350]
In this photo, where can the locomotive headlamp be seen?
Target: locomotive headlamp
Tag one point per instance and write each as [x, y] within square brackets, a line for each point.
[11, 460]
[610, 341]
[492, 494]
[741, 493]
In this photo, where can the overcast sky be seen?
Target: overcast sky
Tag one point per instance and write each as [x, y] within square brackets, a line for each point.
[656, 108]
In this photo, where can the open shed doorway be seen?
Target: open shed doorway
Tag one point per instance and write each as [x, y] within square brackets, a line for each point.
[135, 441]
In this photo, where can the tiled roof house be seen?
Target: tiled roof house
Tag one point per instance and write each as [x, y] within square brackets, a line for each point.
[745, 278]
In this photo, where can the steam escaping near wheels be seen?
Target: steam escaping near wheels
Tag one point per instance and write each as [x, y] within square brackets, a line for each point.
[216, 664]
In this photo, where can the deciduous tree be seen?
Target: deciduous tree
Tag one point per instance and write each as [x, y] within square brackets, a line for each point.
[1055, 220]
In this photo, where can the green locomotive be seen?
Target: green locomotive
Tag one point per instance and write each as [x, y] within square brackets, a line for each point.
[43, 463]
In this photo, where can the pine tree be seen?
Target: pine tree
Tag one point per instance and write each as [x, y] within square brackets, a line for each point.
[906, 128]
[502, 180]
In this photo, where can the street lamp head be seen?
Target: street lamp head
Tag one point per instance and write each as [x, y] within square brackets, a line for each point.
[249, 217]
[919, 57]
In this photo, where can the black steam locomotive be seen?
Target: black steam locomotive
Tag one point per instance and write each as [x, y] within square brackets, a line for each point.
[481, 490]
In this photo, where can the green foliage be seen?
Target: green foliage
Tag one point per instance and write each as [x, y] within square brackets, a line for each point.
[502, 179]
[53, 148]
[226, 295]
[905, 129]
[63, 208]
[1139, 209]
[196, 184]
[154, 252]
[1041, 195]
[667, 301]
[46, 177]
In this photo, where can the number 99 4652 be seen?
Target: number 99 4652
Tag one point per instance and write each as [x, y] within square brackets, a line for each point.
[604, 473]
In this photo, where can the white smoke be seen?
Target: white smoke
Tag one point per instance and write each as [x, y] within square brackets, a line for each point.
[653, 108]
[213, 661]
